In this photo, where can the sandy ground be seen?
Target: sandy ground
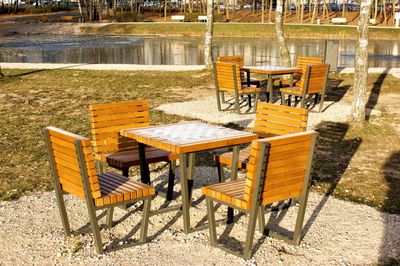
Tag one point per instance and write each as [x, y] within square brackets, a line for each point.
[336, 233]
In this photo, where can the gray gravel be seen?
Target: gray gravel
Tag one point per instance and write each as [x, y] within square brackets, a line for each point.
[336, 232]
[206, 110]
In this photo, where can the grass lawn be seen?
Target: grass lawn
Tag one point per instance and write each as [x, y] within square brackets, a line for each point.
[359, 164]
[239, 30]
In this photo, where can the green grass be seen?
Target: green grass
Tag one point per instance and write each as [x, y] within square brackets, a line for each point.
[353, 163]
[239, 30]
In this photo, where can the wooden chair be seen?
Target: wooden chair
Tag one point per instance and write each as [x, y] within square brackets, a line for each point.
[106, 120]
[74, 172]
[271, 120]
[279, 169]
[227, 79]
[301, 61]
[238, 59]
[312, 82]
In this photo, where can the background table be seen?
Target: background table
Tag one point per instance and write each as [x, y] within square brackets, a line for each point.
[270, 71]
[183, 139]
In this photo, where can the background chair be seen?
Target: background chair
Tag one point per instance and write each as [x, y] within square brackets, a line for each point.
[271, 120]
[313, 82]
[301, 61]
[106, 120]
[238, 59]
[228, 79]
[279, 169]
[74, 171]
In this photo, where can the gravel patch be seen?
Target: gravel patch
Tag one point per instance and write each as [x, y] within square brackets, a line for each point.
[336, 232]
[206, 110]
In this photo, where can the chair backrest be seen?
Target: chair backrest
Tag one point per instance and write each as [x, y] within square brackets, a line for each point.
[272, 120]
[231, 59]
[227, 76]
[106, 120]
[72, 162]
[279, 168]
[306, 60]
[235, 59]
[313, 78]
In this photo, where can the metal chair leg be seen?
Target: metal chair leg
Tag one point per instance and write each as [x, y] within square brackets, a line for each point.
[303, 102]
[261, 219]
[249, 98]
[250, 234]
[125, 172]
[289, 100]
[63, 212]
[211, 222]
[255, 102]
[321, 102]
[145, 220]
[221, 174]
[283, 102]
[237, 105]
[110, 212]
[95, 228]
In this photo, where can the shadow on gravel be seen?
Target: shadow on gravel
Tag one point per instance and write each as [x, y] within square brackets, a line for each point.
[390, 246]
[333, 156]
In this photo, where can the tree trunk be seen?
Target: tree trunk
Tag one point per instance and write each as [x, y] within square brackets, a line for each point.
[270, 11]
[361, 64]
[226, 3]
[384, 12]
[209, 35]
[280, 38]
[1, 73]
[393, 10]
[314, 14]
[165, 10]
[262, 10]
[301, 10]
[80, 8]
[376, 9]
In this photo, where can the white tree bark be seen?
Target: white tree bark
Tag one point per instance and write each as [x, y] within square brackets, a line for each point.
[280, 38]
[209, 34]
[361, 64]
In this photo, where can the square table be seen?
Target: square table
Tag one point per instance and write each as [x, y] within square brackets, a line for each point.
[185, 139]
[270, 71]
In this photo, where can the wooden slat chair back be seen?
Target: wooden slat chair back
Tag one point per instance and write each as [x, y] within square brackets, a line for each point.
[74, 172]
[271, 120]
[302, 61]
[313, 82]
[228, 79]
[306, 60]
[106, 121]
[279, 169]
[238, 60]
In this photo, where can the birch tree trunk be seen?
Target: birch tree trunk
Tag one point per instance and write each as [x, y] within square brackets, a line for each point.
[361, 64]
[301, 10]
[165, 10]
[262, 10]
[280, 38]
[270, 11]
[376, 9]
[209, 35]
[316, 7]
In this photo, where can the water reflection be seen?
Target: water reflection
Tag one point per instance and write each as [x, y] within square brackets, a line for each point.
[176, 50]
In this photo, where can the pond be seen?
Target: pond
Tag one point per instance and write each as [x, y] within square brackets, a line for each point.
[151, 50]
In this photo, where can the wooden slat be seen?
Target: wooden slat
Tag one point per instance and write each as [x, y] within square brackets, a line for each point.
[102, 106]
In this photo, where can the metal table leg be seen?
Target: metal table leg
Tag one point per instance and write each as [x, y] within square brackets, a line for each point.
[270, 91]
[144, 166]
[234, 171]
[184, 192]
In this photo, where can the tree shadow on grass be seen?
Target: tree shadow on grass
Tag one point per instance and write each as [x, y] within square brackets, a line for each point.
[374, 94]
[390, 246]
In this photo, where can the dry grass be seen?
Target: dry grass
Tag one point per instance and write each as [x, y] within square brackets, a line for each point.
[359, 164]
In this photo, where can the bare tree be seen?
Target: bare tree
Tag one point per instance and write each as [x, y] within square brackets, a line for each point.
[361, 64]
[280, 38]
[209, 34]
